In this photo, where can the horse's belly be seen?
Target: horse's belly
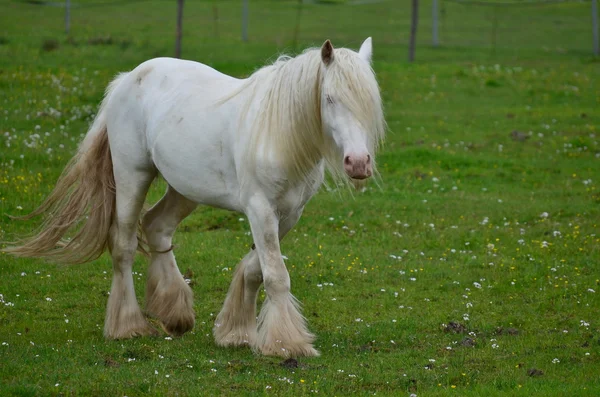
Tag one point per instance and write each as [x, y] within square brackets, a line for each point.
[201, 171]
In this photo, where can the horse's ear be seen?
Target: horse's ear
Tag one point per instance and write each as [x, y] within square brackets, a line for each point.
[327, 52]
[366, 50]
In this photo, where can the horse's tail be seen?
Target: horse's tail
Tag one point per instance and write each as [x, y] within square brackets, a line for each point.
[82, 204]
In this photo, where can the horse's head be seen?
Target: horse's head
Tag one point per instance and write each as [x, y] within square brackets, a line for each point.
[351, 110]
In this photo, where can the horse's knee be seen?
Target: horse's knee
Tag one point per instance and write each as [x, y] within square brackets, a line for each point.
[277, 282]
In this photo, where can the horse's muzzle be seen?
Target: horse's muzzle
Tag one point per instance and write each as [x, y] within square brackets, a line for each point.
[358, 166]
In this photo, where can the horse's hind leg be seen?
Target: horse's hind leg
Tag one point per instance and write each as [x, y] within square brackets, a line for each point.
[168, 297]
[124, 319]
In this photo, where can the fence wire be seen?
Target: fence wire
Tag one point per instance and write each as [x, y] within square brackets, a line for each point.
[552, 25]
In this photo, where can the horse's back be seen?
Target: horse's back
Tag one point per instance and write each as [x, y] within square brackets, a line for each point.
[175, 69]
[173, 110]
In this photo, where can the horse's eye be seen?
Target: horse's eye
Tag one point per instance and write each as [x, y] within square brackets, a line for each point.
[329, 100]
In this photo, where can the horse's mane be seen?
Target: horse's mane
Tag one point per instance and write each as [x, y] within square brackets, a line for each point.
[288, 120]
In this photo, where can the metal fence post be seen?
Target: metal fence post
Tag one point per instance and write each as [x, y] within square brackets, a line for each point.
[413, 30]
[434, 20]
[595, 27]
[67, 16]
[179, 28]
[245, 21]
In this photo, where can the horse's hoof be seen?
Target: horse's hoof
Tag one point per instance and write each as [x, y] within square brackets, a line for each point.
[288, 351]
[143, 330]
[178, 327]
[233, 337]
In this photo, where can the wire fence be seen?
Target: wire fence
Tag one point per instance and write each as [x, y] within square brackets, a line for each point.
[548, 25]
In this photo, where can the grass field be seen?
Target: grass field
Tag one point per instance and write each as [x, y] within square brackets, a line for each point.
[473, 270]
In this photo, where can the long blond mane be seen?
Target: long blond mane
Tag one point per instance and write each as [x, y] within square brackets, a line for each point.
[288, 122]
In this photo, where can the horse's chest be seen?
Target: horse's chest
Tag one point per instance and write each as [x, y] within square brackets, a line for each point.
[295, 197]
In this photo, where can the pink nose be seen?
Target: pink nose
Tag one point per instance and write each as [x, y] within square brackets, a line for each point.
[358, 166]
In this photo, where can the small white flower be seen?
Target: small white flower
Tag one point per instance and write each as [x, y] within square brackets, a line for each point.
[544, 215]
[555, 361]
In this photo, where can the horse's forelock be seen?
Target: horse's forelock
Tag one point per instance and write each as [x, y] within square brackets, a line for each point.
[352, 81]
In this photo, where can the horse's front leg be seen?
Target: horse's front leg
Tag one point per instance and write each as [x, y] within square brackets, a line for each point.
[236, 323]
[282, 330]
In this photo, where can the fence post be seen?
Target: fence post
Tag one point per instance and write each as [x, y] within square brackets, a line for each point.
[413, 30]
[297, 28]
[179, 28]
[434, 20]
[68, 16]
[494, 30]
[216, 19]
[595, 27]
[245, 21]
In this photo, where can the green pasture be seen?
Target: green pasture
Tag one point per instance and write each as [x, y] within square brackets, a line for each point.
[471, 268]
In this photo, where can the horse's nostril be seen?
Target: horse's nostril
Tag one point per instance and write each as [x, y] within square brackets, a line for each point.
[347, 160]
[368, 159]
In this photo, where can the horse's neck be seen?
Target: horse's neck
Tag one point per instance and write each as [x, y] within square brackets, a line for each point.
[281, 109]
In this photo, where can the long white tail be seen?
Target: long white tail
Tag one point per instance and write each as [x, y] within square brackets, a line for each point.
[80, 210]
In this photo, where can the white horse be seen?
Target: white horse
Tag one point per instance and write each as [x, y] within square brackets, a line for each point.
[258, 146]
